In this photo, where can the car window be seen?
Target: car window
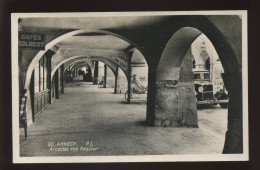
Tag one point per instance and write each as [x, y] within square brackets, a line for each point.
[196, 76]
[206, 76]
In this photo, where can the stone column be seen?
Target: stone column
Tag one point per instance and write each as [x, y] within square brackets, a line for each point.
[32, 88]
[234, 134]
[105, 76]
[56, 84]
[175, 103]
[129, 80]
[100, 71]
[76, 72]
[95, 73]
[62, 78]
[49, 56]
[150, 109]
[116, 75]
[70, 77]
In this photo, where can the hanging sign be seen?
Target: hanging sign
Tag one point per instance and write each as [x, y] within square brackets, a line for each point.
[121, 60]
[31, 40]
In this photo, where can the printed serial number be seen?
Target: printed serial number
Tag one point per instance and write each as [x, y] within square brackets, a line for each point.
[62, 144]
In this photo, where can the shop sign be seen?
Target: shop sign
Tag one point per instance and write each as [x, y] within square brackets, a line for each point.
[32, 40]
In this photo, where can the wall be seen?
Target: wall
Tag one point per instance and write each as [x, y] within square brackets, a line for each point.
[110, 78]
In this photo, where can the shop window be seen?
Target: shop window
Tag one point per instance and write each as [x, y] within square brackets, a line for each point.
[40, 75]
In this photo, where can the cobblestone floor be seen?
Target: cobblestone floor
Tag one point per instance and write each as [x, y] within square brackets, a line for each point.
[88, 120]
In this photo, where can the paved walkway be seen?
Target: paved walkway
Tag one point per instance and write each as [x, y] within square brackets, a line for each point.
[88, 120]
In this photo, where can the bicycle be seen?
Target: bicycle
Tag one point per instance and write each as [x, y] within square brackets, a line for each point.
[95, 80]
[138, 89]
[101, 83]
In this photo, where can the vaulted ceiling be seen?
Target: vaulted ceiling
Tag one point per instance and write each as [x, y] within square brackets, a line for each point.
[106, 42]
[92, 39]
[92, 23]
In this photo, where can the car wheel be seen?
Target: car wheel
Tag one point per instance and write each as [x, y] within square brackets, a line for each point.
[223, 105]
[126, 95]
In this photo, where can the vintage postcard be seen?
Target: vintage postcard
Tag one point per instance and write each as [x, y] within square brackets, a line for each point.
[129, 87]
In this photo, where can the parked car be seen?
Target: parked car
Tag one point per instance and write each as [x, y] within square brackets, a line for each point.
[204, 90]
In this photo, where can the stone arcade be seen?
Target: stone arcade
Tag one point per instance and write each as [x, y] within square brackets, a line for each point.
[125, 46]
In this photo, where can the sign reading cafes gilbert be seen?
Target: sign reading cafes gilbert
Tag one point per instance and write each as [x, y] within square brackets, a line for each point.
[31, 40]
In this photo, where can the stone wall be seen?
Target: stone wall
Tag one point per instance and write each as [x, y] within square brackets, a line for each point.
[110, 78]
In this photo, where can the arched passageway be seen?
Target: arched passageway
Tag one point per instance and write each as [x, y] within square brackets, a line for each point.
[174, 79]
[164, 55]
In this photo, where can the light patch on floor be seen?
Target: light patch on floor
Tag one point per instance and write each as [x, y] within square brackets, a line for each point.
[101, 123]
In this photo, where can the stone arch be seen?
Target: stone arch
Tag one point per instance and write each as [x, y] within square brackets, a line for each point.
[52, 43]
[174, 52]
[110, 63]
[39, 55]
[170, 84]
[83, 60]
[80, 65]
[75, 66]
[74, 63]
[26, 73]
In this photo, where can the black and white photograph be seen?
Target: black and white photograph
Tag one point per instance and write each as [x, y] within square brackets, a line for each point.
[129, 86]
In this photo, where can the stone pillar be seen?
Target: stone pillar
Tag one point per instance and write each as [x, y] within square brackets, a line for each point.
[32, 83]
[116, 75]
[175, 104]
[100, 71]
[234, 134]
[105, 76]
[62, 78]
[66, 76]
[150, 109]
[56, 84]
[75, 73]
[49, 75]
[70, 77]
[95, 72]
[129, 80]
